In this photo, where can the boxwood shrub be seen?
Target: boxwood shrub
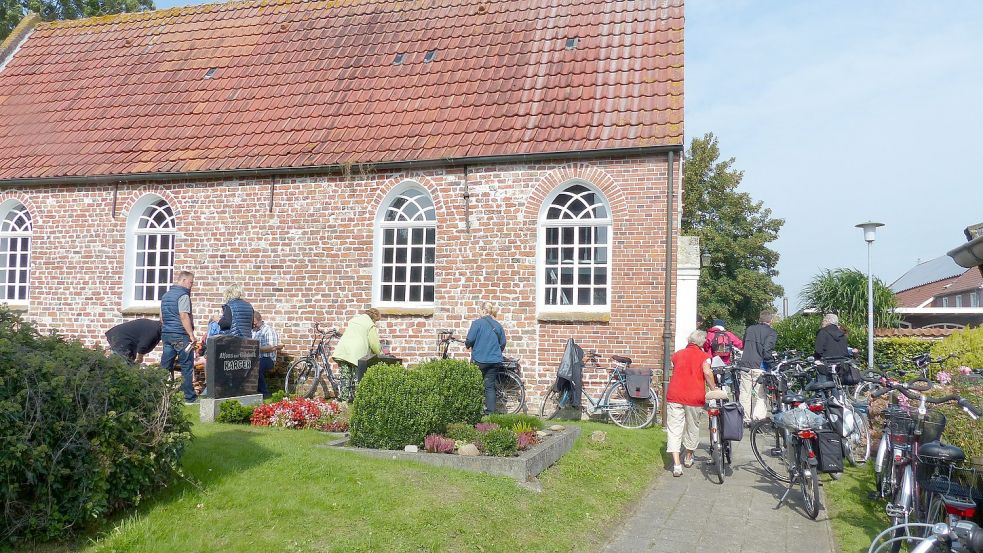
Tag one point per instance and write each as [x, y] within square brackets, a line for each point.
[395, 406]
[82, 434]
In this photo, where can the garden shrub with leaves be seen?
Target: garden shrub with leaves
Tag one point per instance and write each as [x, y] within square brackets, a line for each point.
[511, 419]
[500, 442]
[897, 351]
[395, 406]
[462, 432]
[967, 344]
[233, 412]
[83, 435]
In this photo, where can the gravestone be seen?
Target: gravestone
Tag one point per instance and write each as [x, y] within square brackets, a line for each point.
[231, 366]
[231, 373]
[374, 359]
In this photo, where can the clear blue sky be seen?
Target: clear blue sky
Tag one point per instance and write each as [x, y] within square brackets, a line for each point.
[840, 112]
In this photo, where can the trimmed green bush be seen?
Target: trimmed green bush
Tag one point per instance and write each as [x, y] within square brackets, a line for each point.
[967, 343]
[500, 442]
[233, 412]
[897, 351]
[395, 407]
[511, 419]
[82, 435]
[799, 331]
[462, 432]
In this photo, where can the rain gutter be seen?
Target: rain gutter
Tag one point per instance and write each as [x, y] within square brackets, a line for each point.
[340, 168]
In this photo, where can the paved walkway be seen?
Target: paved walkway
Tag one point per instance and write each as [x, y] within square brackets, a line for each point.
[692, 514]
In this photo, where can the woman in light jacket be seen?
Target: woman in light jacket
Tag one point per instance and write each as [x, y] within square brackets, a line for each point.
[359, 339]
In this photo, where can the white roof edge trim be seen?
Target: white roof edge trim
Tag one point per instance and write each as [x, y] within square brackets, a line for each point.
[13, 52]
[939, 310]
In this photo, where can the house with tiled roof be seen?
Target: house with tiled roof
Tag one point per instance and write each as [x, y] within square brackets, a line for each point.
[333, 155]
[939, 294]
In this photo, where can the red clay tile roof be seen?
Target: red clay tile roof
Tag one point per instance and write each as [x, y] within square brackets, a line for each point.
[969, 280]
[913, 332]
[312, 83]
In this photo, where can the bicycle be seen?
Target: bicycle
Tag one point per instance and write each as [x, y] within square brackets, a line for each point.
[510, 391]
[720, 450]
[306, 374]
[615, 400]
[801, 456]
[922, 363]
[963, 536]
[900, 473]
[768, 440]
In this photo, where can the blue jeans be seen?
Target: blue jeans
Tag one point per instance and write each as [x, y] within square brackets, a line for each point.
[174, 347]
[265, 364]
[490, 372]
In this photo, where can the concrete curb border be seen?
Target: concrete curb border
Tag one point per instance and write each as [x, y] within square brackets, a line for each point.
[525, 467]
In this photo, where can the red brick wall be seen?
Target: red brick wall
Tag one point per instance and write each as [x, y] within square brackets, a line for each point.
[311, 258]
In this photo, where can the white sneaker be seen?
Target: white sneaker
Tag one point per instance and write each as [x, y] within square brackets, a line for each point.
[677, 470]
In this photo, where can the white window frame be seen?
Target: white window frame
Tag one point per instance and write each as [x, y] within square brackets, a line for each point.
[5, 209]
[959, 300]
[380, 226]
[974, 299]
[132, 230]
[541, 306]
[945, 301]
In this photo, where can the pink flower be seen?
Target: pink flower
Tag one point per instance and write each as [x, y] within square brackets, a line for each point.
[903, 401]
[943, 377]
[965, 371]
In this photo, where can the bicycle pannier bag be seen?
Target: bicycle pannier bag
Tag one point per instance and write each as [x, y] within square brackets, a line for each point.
[850, 374]
[639, 381]
[721, 343]
[732, 422]
[829, 451]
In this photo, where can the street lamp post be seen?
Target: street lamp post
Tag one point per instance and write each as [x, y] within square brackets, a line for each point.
[870, 234]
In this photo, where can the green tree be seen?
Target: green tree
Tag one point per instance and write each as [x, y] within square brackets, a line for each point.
[735, 230]
[844, 292]
[12, 11]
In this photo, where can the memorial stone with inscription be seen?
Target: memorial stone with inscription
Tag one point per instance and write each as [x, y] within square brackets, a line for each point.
[231, 366]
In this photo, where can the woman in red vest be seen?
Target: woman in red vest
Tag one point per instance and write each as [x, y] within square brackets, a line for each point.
[691, 375]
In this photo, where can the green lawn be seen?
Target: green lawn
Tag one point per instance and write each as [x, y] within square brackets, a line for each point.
[261, 489]
[855, 518]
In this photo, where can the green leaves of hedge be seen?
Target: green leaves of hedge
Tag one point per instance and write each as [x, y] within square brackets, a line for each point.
[395, 407]
[83, 434]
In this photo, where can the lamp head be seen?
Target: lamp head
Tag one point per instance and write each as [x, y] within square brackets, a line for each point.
[870, 230]
[704, 258]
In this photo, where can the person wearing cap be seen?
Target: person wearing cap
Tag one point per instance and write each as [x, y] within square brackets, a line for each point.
[721, 342]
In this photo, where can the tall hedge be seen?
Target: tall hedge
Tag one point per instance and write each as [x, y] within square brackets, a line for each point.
[967, 344]
[799, 331]
[82, 434]
[897, 351]
[395, 407]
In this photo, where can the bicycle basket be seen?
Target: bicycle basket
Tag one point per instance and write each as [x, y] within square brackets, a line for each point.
[899, 424]
[799, 419]
[511, 365]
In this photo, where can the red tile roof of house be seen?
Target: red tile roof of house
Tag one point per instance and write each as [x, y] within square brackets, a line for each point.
[291, 83]
[913, 332]
[914, 297]
[969, 280]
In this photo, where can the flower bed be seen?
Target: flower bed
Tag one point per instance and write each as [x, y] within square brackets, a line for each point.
[299, 413]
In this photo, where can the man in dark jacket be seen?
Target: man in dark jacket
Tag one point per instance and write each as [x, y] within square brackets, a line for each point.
[759, 346]
[831, 341]
[134, 339]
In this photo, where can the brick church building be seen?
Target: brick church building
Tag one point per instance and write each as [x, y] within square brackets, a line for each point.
[330, 156]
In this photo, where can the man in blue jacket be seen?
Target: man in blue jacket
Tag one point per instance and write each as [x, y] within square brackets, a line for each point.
[178, 331]
[486, 339]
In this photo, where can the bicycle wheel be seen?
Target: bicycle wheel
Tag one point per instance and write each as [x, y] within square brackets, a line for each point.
[510, 394]
[935, 512]
[629, 412]
[902, 507]
[553, 402]
[809, 484]
[859, 449]
[861, 392]
[768, 445]
[302, 378]
[717, 457]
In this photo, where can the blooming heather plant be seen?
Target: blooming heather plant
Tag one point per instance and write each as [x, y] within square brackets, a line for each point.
[485, 427]
[435, 443]
[943, 377]
[964, 370]
[527, 439]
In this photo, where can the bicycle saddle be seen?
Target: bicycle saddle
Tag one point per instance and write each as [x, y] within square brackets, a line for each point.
[820, 386]
[793, 398]
[621, 359]
[944, 452]
[717, 394]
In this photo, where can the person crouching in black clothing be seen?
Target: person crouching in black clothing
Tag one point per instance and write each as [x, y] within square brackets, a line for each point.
[134, 339]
